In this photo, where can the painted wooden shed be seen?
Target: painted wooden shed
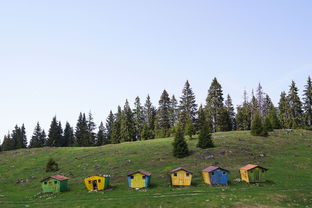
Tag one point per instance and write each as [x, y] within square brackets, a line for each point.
[215, 175]
[253, 173]
[139, 179]
[97, 182]
[54, 184]
[180, 177]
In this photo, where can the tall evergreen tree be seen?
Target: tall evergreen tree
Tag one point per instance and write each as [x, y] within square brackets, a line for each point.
[244, 114]
[295, 107]
[257, 126]
[272, 115]
[19, 137]
[307, 103]
[127, 124]
[267, 125]
[8, 143]
[254, 106]
[260, 100]
[69, 137]
[116, 130]
[82, 131]
[109, 126]
[150, 119]
[174, 111]
[39, 137]
[101, 136]
[204, 137]
[283, 110]
[215, 106]
[138, 116]
[267, 105]
[231, 123]
[91, 129]
[163, 116]
[55, 136]
[188, 109]
[180, 147]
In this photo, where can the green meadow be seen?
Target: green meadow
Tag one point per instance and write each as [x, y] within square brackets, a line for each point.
[287, 156]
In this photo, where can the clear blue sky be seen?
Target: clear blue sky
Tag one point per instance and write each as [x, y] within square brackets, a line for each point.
[61, 57]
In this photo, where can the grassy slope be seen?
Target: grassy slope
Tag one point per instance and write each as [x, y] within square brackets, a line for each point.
[289, 158]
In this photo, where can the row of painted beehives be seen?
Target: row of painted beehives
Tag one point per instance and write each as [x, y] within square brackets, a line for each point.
[212, 175]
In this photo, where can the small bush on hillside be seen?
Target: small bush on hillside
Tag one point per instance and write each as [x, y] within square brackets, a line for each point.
[52, 166]
[267, 124]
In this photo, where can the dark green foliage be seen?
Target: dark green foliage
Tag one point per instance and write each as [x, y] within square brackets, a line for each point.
[174, 111]
[8, 143]
[204, 137]
[180, 147]
[188, 110]
[163, 116]
[307, 103]
[283, 110]
[116, 135]
[19, 137]
[91, 129]
[274, 118]
[147, 133]
[127, 124]
[55, 136]
[138, 117]
[267, 125]
[189, 129]
[294, 119]
[39, 137]
[51, 166]
[101, 138]
[215, 107]
[257, 128]
[82, 131]
[149, 113]
[69, 138]
[229, 110]
[267, 105]
[109, 126]
[243, 116]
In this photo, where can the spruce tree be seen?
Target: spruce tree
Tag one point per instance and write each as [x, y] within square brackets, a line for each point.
[101, 136]
[82, 131]
[174, 111]
[244, 114]
[188, 109]
[19, 137]
[109, 126]
[260, 100]
[307, 103]
[39, 137]
[204, 137]
[138, 117]
[163, 116]
[274, 118]
[267, 125]
[283, 110]
[116, 130]
[69, 138]
[180, 147]
[215, 106]
[257, 128]
[127, 124]
[8, 143]
[229, 109]
[294, 107]
[267, 105]
[91, 129]
[149, 112]
[55, 135]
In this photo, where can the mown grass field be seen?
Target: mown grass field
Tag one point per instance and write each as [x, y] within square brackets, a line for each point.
[287, 156]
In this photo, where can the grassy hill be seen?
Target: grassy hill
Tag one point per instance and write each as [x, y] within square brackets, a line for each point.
[287, 156]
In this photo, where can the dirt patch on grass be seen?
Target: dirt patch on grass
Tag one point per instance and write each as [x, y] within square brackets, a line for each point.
[256, 205]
